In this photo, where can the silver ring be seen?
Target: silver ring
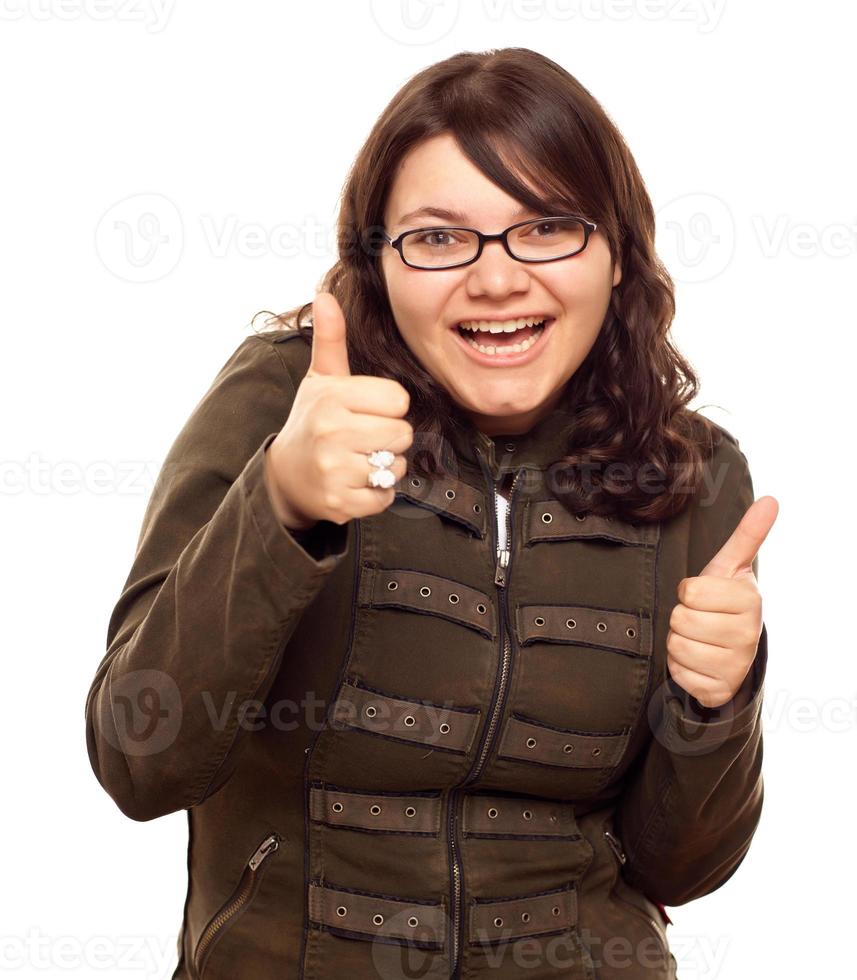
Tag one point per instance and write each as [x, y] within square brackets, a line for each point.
[381, 477]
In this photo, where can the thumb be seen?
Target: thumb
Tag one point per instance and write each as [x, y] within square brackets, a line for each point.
[329, 352]
[739, 551]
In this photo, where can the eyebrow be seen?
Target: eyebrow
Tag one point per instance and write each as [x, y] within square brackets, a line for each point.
[456, 216]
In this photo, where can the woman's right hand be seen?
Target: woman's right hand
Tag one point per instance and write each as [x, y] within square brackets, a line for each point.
[316, 467]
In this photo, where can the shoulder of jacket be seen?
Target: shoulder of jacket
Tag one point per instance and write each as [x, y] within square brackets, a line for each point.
[725, 434]
[290, 347]
[725, 443]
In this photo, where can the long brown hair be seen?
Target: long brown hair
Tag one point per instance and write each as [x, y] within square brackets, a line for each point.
[515, 111]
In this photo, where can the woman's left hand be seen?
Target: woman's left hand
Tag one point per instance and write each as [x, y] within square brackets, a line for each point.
[716, 625]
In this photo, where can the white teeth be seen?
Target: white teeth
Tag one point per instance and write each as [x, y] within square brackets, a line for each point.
[506, 348]
[501, 326]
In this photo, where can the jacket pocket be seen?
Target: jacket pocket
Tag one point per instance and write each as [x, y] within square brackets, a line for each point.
[237, 902]
[635, 901]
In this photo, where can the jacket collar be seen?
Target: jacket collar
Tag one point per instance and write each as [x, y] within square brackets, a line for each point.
[537, 448]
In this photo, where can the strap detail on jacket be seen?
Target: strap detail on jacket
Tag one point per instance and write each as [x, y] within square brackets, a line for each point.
[553, 911]
[449, 498]
[413, 721]
[517, 817]
[387, 812]
[546, 520]
[373, 915]
[612, 629]
[427, 593]
[559, 747]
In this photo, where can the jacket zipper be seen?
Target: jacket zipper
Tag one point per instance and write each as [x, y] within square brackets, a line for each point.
[613, 841]
[243, 893]
[658, 928]
[500, 578]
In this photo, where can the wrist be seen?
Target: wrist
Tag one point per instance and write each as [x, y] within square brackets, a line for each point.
[284, 513]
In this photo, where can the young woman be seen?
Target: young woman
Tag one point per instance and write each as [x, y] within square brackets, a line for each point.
[443, 625]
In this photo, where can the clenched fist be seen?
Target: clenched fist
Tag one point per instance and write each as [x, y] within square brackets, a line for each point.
[716, 624]
[316, 467]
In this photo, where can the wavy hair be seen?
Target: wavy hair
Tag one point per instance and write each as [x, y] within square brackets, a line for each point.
[514, 111]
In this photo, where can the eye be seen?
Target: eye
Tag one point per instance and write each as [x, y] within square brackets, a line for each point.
[435, 238]
[540, 226]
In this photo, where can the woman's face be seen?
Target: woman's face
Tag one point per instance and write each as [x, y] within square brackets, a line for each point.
[428, 305]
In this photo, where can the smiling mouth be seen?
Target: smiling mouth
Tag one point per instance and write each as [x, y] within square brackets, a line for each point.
[506, 341]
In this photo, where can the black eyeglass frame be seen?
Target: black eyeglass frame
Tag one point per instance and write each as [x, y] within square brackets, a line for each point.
[503, 236]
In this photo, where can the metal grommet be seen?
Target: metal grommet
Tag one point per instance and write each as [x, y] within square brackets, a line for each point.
[630, 631]
[337, 807]
[571, 623]
[415, 481]
[444, 728]
[341, 910]
[555, 910]
[425, 590]
[413, 921]
[493, 812]
[531, 742]
[410, 811]
[580, 517]
[374, 809]
[410, 721]
[568, 747]
[453, 598]
[370, 710]
[481, 608]
[601, 626]
[547, 518]
[539, 621]
[527, 814]
[596, 751]
[498, 921]
[378, 919]
[392, 586]
[525, 917]
[477, 508]
[450, 495]
[510, 447]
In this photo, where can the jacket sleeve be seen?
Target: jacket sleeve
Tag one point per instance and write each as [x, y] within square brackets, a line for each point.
[215, 590]
[689, 811]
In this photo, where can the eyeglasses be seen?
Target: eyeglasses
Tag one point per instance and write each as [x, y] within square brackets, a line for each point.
[534, 240]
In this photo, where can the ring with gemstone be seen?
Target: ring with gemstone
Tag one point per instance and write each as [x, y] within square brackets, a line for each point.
[381, 477]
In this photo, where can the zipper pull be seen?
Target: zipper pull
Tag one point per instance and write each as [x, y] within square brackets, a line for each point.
[500, 568]
[616, 845]
[268, 846]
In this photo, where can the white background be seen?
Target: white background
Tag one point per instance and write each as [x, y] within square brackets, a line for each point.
[168, 171]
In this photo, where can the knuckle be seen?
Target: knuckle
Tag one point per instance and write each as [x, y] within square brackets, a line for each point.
[332, 501]
[326, 463]
[692, 591]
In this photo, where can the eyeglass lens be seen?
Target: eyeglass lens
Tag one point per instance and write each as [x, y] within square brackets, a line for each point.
[440, 247]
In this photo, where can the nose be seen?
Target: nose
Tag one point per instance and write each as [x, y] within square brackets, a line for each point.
[496, 274]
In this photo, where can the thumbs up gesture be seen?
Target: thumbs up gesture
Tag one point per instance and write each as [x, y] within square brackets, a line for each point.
[316, 468]
[716, 624]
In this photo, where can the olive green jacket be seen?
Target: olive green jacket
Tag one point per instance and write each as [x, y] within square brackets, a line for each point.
[403, 750]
